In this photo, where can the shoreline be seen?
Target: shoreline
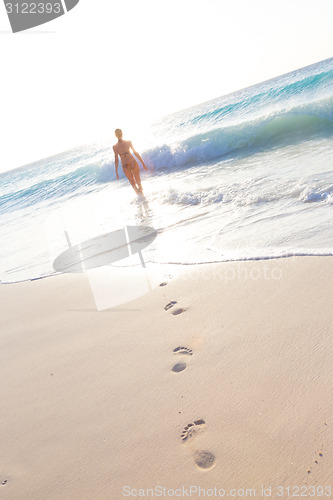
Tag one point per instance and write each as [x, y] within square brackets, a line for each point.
[185, 264]
[94, 401]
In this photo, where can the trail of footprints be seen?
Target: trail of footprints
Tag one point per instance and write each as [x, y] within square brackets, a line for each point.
[203, 459]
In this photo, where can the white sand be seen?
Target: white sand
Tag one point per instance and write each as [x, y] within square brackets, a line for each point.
[90, 404]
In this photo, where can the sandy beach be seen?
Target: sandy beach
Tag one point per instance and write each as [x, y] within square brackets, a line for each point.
[233, 392]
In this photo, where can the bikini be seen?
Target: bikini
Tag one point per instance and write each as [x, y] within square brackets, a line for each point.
[131, 165]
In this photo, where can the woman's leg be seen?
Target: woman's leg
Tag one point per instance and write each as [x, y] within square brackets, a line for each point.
[136, 172]
[129, 175]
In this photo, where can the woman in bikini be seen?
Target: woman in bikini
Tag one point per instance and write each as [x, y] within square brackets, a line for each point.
[128, 162]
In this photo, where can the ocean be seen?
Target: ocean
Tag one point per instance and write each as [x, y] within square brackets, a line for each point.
[245, 176]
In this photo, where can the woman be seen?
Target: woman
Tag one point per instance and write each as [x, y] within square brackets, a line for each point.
[128, 162]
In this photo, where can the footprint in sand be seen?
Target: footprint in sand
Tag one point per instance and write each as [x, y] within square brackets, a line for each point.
[178, 311]
[192, 429]
[183, 350]
[179, 367]
[171, 304]
[204, 459]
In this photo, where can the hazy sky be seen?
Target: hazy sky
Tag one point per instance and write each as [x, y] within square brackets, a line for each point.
[109, 64]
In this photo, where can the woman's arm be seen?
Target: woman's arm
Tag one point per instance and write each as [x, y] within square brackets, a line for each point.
[116, 161]
[138, 156]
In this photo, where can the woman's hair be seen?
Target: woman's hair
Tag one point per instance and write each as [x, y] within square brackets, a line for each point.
[118, 132]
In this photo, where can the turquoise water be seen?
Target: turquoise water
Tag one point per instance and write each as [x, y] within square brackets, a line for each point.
[245, 176]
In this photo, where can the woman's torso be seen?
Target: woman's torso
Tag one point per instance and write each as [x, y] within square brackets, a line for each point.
[123, 150]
